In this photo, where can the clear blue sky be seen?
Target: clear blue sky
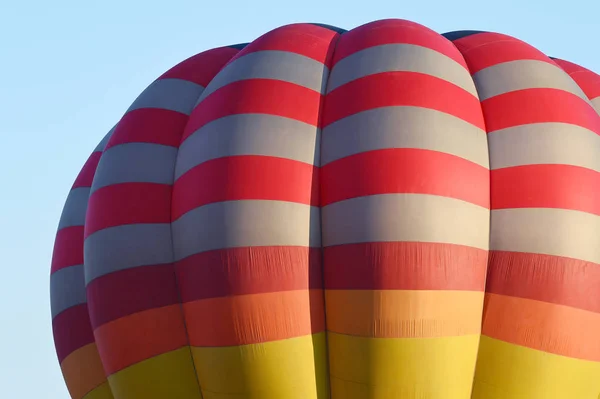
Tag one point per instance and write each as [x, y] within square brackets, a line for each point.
[69, 69]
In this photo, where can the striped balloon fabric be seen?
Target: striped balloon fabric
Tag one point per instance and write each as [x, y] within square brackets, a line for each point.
[380, 213]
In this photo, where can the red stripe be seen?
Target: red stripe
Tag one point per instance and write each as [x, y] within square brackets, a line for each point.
[522, 107]
[129, 291]
[554, 279]
[589, 83]
[401, 89]
[568, 66]
[250, 270]
[392, 31]
[149, 125]
[404, 266]
[487, 49]
[404, 170]
[68, 248]
[586, 79]
[128, 203]
[86, 175]
[546, 186]
[72, 330]
[244, 178]
[201, 68]
[262, 96]
[305, 39]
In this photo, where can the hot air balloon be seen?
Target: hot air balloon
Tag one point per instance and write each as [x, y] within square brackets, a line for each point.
[380, 213]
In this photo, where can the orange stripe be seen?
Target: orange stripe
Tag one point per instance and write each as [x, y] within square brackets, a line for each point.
[404, 314]
[255, 318]
[83, 371]
[140, 336]
[548, 327]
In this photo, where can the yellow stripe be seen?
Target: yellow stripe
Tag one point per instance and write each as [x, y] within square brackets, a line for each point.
[170, 375]
[102, 391]
[294, 368]
[384, 368]
[507, 371]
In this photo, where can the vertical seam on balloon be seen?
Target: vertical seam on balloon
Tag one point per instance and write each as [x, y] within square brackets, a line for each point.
[489, 213]
[329, 65]
[176, 279]
[179, 297]
[104, 143]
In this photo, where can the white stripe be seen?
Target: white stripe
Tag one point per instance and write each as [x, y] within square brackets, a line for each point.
[544, 143]
[596, 104]
[136, 163]
[244, 224]
[67, 289]
[400, 58]
[523, 74]
[126, 246]
[405, 217]
[404, 127]
[172, 94]
[249, 134]
[559, 232]
[73, 213]
[272, 64]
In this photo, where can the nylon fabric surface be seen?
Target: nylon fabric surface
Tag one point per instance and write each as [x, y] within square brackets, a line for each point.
[379, 213]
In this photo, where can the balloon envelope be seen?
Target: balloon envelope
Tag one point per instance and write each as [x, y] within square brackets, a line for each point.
[378, 213]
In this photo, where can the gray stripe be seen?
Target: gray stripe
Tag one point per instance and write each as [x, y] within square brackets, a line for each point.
[73, 213]
[123, 247]
[102, 144]
[136, 162]
[544, 143]
[400, 57]
[272, 64]
[523, 74]
[246, 223]
[404, 127]
[596, 104]
[172, 94]
[405, 217]
[558, 232]
[67, 289]
[249, 134]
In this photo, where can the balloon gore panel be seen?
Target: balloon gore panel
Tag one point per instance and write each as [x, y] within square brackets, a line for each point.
[379, 213]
